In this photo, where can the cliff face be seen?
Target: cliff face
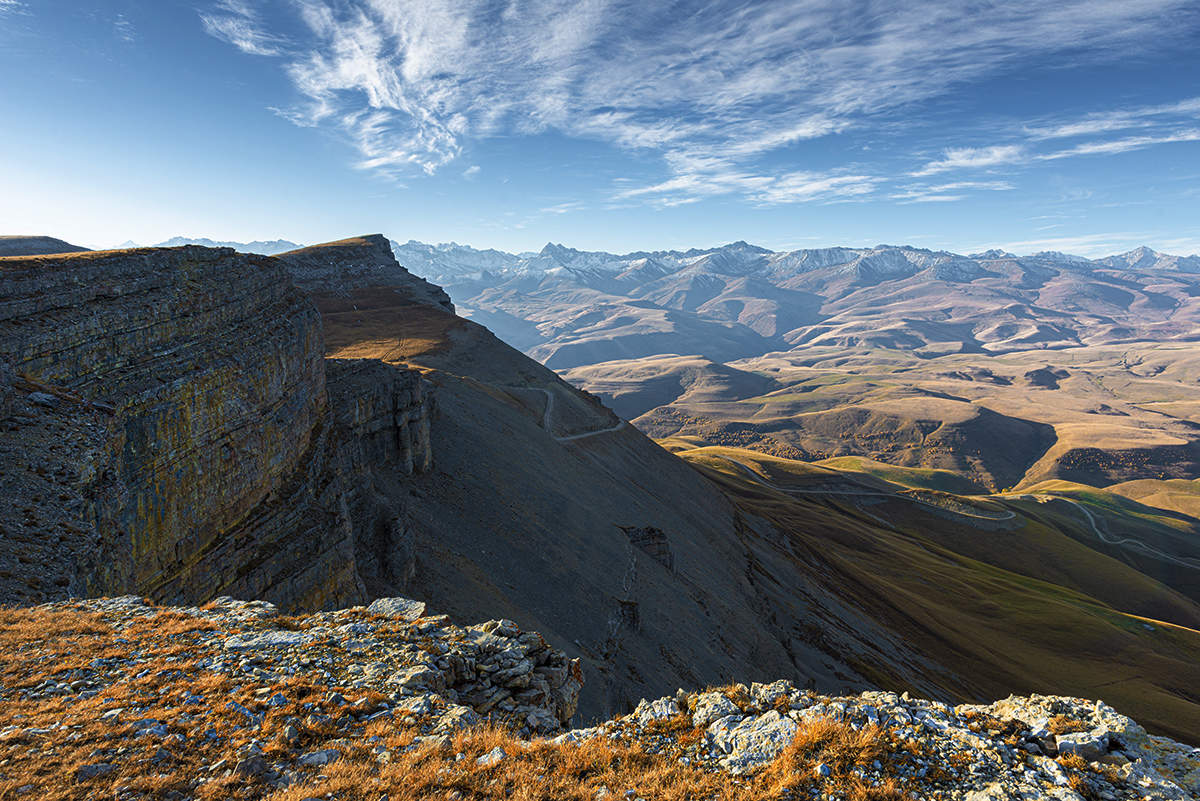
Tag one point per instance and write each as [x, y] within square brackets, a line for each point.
[169, 431]
[359, 263]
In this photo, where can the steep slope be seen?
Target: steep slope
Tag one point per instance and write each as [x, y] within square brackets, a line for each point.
[545, 508]
[35, 246]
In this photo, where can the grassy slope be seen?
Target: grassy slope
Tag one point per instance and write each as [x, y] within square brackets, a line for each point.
[1027, 609]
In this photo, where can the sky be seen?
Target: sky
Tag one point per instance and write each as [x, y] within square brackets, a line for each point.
[605, 124]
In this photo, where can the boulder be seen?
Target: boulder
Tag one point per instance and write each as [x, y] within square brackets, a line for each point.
[710, 707]
[1091, 745]
[650, 711]
[397, 608]
[752, 742]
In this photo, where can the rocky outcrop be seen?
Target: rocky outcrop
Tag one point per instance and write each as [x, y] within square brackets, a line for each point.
[1021, 747]
[360, 703]
[359, 263]
[169, 431]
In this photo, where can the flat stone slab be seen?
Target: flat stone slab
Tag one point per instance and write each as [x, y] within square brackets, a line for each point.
[259, 640]
[397, 608]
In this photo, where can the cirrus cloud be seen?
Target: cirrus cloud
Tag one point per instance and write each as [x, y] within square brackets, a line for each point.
[411, 83]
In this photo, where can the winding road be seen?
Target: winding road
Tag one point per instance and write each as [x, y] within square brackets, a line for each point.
[1121, 542]
[547, 421]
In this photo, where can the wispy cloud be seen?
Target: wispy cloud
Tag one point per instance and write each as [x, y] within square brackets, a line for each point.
[1123, 145]
[1118, 120]
[11, 7]
[563, 208]
[412, 82]
[947, 193]
[239, 23]
[124, 29]
[955, 158]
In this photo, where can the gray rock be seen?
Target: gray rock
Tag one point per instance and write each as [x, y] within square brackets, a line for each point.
[419, 677]
[44, 400]
[649, 711]
[251, 766]
[457, 717]
[753, 741]
[397, 608]
[493, 757]
[326, 756]
[441, 742]
[1091, 745]
[710, 707]
[85, 772]
[259, 640]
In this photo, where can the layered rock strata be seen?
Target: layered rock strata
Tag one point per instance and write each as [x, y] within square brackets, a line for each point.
[359, 263]
[167, 430]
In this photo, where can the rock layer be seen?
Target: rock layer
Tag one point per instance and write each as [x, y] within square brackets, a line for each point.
[201, 455]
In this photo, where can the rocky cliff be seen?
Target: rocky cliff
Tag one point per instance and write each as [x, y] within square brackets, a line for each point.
[169, 432]
[359, 263]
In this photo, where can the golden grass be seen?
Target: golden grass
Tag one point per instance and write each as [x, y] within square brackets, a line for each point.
[60, 734]
[541, 771]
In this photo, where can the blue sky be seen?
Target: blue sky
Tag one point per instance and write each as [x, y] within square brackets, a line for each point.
[605, 124]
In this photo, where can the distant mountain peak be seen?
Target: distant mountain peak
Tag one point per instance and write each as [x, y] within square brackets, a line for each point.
[994, 253]
[555, 251]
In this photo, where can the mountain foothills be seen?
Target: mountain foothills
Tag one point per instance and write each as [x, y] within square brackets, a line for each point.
[323, 428]
[1007, 370]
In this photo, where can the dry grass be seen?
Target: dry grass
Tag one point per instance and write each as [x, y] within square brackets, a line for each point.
[157, 677]
[377, 323]
[540, 771]
[1061, 724]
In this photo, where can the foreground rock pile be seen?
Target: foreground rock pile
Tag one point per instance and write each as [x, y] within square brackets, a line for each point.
[116, 698]
[1019, 748]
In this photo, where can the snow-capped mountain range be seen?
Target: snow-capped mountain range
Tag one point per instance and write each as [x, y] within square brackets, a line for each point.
[568, 307]
[451, 262]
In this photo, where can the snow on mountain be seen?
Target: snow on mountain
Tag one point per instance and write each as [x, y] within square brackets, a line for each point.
[1144, 258]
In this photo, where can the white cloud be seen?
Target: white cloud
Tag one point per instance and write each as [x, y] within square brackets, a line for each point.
[472, 171]
[1123, 145]
[797, 187]
[1108, 121]
[239, 24]
[411, 82]
[948, 192]
[969, 157]
[12, 7]
[563, 208]
[124, 29]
